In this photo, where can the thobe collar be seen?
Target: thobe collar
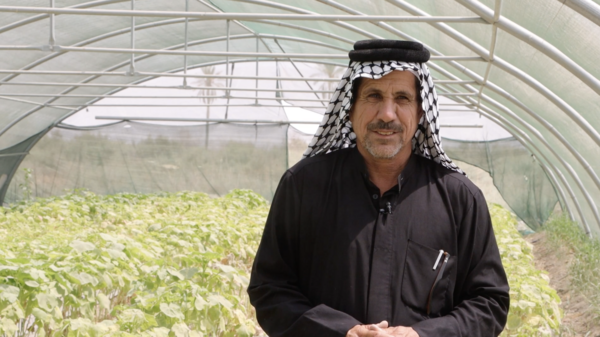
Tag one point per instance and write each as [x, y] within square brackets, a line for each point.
[358, 162]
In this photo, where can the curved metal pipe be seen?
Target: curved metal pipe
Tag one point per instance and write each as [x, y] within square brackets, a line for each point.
[476, 77]
[537, 42]
[521, 75]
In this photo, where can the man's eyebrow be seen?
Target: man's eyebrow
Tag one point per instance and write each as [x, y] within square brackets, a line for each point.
[404, 93]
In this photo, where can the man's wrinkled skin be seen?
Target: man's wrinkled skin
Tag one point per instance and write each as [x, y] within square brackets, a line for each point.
[381, 330]
[385, 117]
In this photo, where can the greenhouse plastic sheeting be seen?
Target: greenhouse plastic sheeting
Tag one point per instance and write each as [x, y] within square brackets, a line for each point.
[519, 177]
[145, 158]
[530, 66]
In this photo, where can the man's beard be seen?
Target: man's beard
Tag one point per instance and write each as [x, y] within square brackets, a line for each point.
[383, 151]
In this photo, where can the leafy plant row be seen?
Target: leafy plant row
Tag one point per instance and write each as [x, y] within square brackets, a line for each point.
[124, 265]
[584, 270]
[534, 305]
[174, 265]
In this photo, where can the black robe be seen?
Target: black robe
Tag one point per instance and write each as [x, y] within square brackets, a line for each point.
[335, 253]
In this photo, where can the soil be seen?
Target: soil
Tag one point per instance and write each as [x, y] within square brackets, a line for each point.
[578, 320]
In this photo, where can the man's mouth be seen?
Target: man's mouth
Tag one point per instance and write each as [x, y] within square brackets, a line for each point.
[385, 133]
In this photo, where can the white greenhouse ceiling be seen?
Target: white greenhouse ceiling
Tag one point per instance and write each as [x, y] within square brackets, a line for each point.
[530, 66]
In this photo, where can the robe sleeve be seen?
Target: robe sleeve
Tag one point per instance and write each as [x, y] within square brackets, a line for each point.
[483, 298]
[281, 307]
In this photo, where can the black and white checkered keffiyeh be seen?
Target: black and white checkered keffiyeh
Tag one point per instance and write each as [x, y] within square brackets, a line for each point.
[335, 131]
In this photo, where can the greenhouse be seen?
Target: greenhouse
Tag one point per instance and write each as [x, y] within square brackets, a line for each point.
[128, 127]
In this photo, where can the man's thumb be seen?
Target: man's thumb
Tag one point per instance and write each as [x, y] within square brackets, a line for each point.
[383, 324]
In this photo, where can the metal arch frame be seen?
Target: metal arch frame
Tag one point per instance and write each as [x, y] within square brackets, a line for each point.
[543, 141]
[43, 16]
[573, 174]
[547, 167]
[587, 8]
[509, 68]
[97, 38]
[515, 131]
[479, 80]
[518, 72]
[235, 16]
[169, 74]
[524, 139]
[537, 42]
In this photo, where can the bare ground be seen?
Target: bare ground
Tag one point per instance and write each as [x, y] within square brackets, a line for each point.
[578, 319]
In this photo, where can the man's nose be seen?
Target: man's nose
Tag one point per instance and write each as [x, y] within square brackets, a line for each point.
[387, 110]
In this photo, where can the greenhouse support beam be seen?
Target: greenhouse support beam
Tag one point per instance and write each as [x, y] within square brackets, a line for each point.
[498, 90]
[62, 49]
[536, 42]
[235, 77]
[560, 158]
[118, 85]
[43, 16]
[586, 166]
[13, 154]
[33, 103]
[497, 9]
[528, 143]
[185, 43]
[239, 121]
[586, 8]
[509, 68]
[239, 16]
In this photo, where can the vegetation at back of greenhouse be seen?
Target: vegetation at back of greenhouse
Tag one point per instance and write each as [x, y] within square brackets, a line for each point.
[534, 305]
[585, 267]
[174, 264]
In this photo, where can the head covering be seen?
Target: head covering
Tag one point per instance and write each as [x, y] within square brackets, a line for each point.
[368, 60]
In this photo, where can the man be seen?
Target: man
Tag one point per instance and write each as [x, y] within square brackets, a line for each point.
[376, 232]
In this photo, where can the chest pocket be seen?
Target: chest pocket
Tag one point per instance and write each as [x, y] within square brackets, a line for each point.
[425, 289]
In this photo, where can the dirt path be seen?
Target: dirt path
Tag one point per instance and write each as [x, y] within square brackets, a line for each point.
[578, 319]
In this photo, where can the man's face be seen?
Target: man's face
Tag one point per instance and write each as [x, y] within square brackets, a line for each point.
[385, 114]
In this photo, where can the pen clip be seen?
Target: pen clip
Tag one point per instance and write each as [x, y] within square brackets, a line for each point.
[437, 261]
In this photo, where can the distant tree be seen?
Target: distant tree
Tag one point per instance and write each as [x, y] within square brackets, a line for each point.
[209, 92]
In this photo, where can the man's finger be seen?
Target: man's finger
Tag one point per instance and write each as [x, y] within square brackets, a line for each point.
[383, 324]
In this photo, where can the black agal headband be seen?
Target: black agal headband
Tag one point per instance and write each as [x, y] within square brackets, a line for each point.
[374, 59]
[378, 50]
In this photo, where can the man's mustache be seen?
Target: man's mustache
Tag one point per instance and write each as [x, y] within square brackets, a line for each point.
[387, 126]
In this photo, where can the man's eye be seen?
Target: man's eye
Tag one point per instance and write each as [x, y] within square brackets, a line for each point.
[373, 96]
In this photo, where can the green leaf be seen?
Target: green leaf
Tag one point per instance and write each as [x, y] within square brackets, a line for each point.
[8, 327]
[41, 315]
[176, 274]
[189, 272]
[47, 301]
[82, 246]
[116, 254]
[32, 284]
[218, 299]
[199, 303]
[103, 301]
[180, 330]
[171, 310]
[9, 293]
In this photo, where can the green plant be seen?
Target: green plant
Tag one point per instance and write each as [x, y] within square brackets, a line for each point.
[534, 305]
[173, 264]
[25, 186]
[584, 270]
[146, 265]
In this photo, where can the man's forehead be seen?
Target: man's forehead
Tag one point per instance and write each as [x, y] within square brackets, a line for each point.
[395, 79]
